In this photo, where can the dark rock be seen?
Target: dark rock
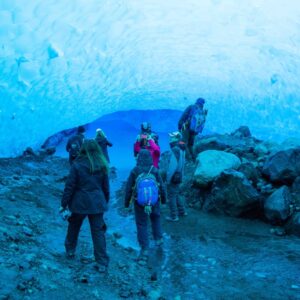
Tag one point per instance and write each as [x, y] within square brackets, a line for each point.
[250, 172]
[29, 152]
[296, 191]
[283, 167]
[277, 206]
[84, 278]
[293, 225]
[27, 231]
[50, 150]
[233, 195]
[242, 131]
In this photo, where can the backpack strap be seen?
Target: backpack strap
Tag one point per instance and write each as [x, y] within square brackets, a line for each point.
[150, 170]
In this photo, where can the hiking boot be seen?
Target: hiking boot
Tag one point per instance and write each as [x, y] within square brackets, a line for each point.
[159, 242]
[184, 214]
[144, 253]
[70, 255]
[172, 219]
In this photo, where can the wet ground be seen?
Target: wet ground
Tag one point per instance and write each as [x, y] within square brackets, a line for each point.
[204, 256]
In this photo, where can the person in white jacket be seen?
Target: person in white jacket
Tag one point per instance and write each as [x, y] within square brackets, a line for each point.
[174, 177]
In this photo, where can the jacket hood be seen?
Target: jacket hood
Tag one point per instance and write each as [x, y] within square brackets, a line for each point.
[144, 159]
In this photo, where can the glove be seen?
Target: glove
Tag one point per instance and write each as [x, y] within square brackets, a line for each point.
[64, 213]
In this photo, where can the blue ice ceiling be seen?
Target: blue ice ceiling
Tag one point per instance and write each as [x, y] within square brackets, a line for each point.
[68, 62]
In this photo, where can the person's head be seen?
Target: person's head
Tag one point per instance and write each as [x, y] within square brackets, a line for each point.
[99, 133]
[146, 127]
[81, 130]
[176, 140]
[93, 152]
[200, 102]
[144, 159]
[175, 136]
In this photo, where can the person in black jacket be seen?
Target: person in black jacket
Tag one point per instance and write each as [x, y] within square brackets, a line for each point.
[74, 144]
[86, 193]
[191, 123]
[144, 165]
[103, 142]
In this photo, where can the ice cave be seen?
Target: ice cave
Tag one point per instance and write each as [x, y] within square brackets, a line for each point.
[64, 63]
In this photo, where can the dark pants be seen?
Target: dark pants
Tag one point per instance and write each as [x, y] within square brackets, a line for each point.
[141, 219]
[71, 158]
[176, 201]
[189, 139]
[98, 228]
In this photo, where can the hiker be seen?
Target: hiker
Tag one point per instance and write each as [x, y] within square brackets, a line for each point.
[146, 190]
[174, 177]
[74, 144]
[192, 123]
[86, 193]
[103, 142]
[145, 140]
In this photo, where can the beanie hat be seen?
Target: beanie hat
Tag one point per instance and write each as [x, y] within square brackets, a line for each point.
[200, 101]
[81, 129]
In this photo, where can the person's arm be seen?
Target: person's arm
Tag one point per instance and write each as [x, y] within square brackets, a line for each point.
[155, 147]
[136, 148]
[129, 188]
[108, 143]
[69, 188]
[184, 117]
[105, 187]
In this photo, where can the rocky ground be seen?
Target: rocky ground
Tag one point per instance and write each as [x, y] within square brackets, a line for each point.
[205, 256]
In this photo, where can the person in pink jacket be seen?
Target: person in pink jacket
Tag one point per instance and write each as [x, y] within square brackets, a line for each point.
[145, 141]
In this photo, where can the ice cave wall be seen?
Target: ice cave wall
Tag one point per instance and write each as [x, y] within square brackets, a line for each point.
[67, 62]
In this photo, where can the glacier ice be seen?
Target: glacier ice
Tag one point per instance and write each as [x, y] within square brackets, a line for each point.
[64, 63]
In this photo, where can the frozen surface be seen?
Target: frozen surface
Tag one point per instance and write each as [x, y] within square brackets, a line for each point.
[64, 63]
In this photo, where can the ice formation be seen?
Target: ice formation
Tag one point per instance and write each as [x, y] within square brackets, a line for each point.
[67, 62]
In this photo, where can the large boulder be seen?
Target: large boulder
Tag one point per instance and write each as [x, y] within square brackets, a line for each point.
[283, 167]
[293, 225]
[277, 205]
[211, 163]
[233, 195]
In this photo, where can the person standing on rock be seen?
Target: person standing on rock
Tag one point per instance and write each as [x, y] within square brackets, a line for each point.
[174, 176]
[74, 144]
[145, 183]
[103, 142]
[192, 123]
[86, 193]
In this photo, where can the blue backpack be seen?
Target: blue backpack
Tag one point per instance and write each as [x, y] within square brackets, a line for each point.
[147, 189]
[197, 120]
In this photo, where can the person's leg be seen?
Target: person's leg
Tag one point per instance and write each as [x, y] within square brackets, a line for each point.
[155, 223]
[191, 144]
[141, 219]
[75, 222]
[98, 229]
[181, 205]
[172, 198]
